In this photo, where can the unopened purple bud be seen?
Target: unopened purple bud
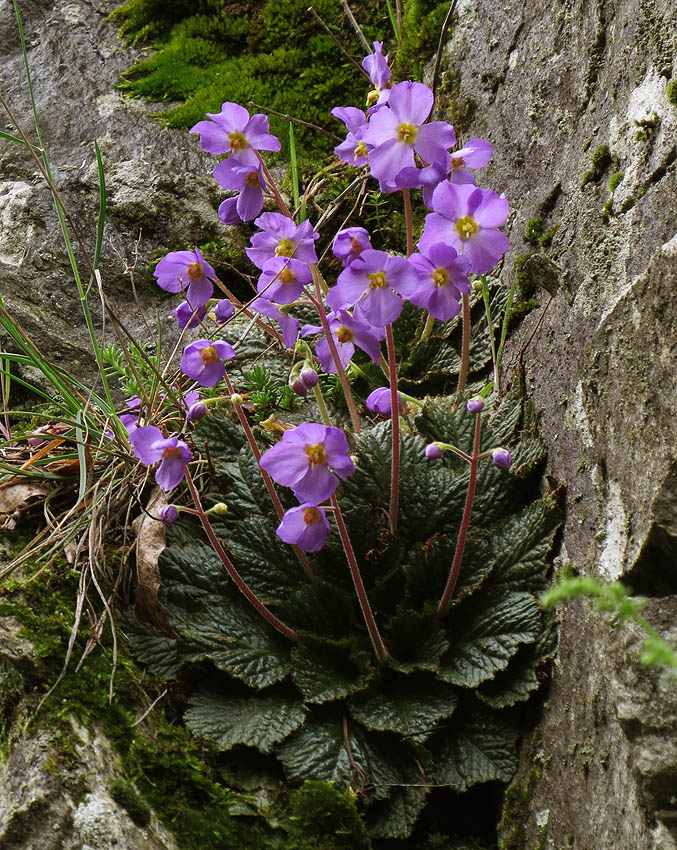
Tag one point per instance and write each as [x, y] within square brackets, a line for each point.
[475, 405]
[299, 387]
[433, 451]
[310, 378]
[196, 412]
[168, 514]
[502, 459]
[223, 311]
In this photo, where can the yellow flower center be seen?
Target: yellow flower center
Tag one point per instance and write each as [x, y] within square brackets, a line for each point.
[209, 355]
[195, 271]
[286, 276]
[377, 280]
[360, 150]
[407, 133]
[311, 515]
[372, 96]
[466, 227]
[316, 454]
[345, 334]
[237, 142]
[457, 162]
[285, 248]
[440, 277]
[252, 179]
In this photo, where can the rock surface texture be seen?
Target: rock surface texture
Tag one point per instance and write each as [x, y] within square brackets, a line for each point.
[552, 84]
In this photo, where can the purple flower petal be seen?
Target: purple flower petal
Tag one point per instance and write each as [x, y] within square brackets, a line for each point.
[433, 141]
[145, 443]
[411, 102]
[305, 526]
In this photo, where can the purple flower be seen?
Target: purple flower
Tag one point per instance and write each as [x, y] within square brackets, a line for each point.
[282, 280]
[196, 412]
[347, 333]
[186, 271]
[280, 237]
[443, 276]
[150, 445]
[306, 526]
[467, 218]
[228, 212]
[224, 311]
[187, 316]
[428, 179]
[399, 130]
[233, 131]
[433, 451]
[288, 324]
[376, 65]
[372, 281]
[379, 401]
[475, 153]
[131, 420]
[353, 150]
[310, 378]
[475, 405]
[204, 361]
[502, 459]
[349, 244]
[168, 514]
[304, 459]
[245, 178]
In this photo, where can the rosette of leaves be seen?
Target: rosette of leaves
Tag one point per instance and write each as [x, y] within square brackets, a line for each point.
[444, 710]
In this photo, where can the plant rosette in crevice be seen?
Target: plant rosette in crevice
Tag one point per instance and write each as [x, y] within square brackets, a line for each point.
[444, 710]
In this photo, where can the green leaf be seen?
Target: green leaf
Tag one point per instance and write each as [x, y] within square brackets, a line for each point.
[321, 608]
[479, 746]
[259, 721]
[329, 670]
[218, 437]
[522, 545]
[190, 568]
[406, 704]
[416, 642]
[485, 634]
[504, 422]
[239, 642]
[156, 651]
[397, 816]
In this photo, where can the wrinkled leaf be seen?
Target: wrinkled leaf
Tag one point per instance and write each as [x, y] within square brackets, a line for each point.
[329, 670]
[259, 721]
[397, 816]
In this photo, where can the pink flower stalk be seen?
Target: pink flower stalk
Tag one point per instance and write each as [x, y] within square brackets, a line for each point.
[233, 131]
[280, 237]
[310, 459]
[150, 445]
[204, 361]
[398, 131]
[186, 271]
[468, 218]
[305, 526]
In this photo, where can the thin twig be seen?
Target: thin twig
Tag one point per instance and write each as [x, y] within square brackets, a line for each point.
[337, 42]
[440, 45]
[356, 26]
[300, 121]
[149, 709]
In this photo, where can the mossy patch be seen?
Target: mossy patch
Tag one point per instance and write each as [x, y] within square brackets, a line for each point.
[671, 92]
[601, 160]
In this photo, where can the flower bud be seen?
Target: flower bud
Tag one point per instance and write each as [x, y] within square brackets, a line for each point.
[475, 405]
[236, 400]
[223, 311]
[502, 459]
[299, 387]
[196, 412]
[310, 378]
[168, 514]
[433, 451]
[219, 509]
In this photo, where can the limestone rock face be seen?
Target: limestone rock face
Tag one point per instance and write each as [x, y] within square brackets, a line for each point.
[552, 83]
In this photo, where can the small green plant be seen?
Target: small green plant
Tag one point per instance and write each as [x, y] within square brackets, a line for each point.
[671, 92]
[601, 160]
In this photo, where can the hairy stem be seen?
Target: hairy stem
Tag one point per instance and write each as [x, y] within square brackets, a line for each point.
[465, 344]
[376, 639]
[395, 417]
[463, 531]
[242, 585]
[409, 221]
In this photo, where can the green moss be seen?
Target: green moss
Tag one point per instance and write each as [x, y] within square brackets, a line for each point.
[272, 53]
[615, 180]
[422, 21]
[547, 237]
[534, 230]
[124, 795]
[452, 104]
[512, 828]
[601, 160]
[326, 819]
[647, 129]
[671, 92]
